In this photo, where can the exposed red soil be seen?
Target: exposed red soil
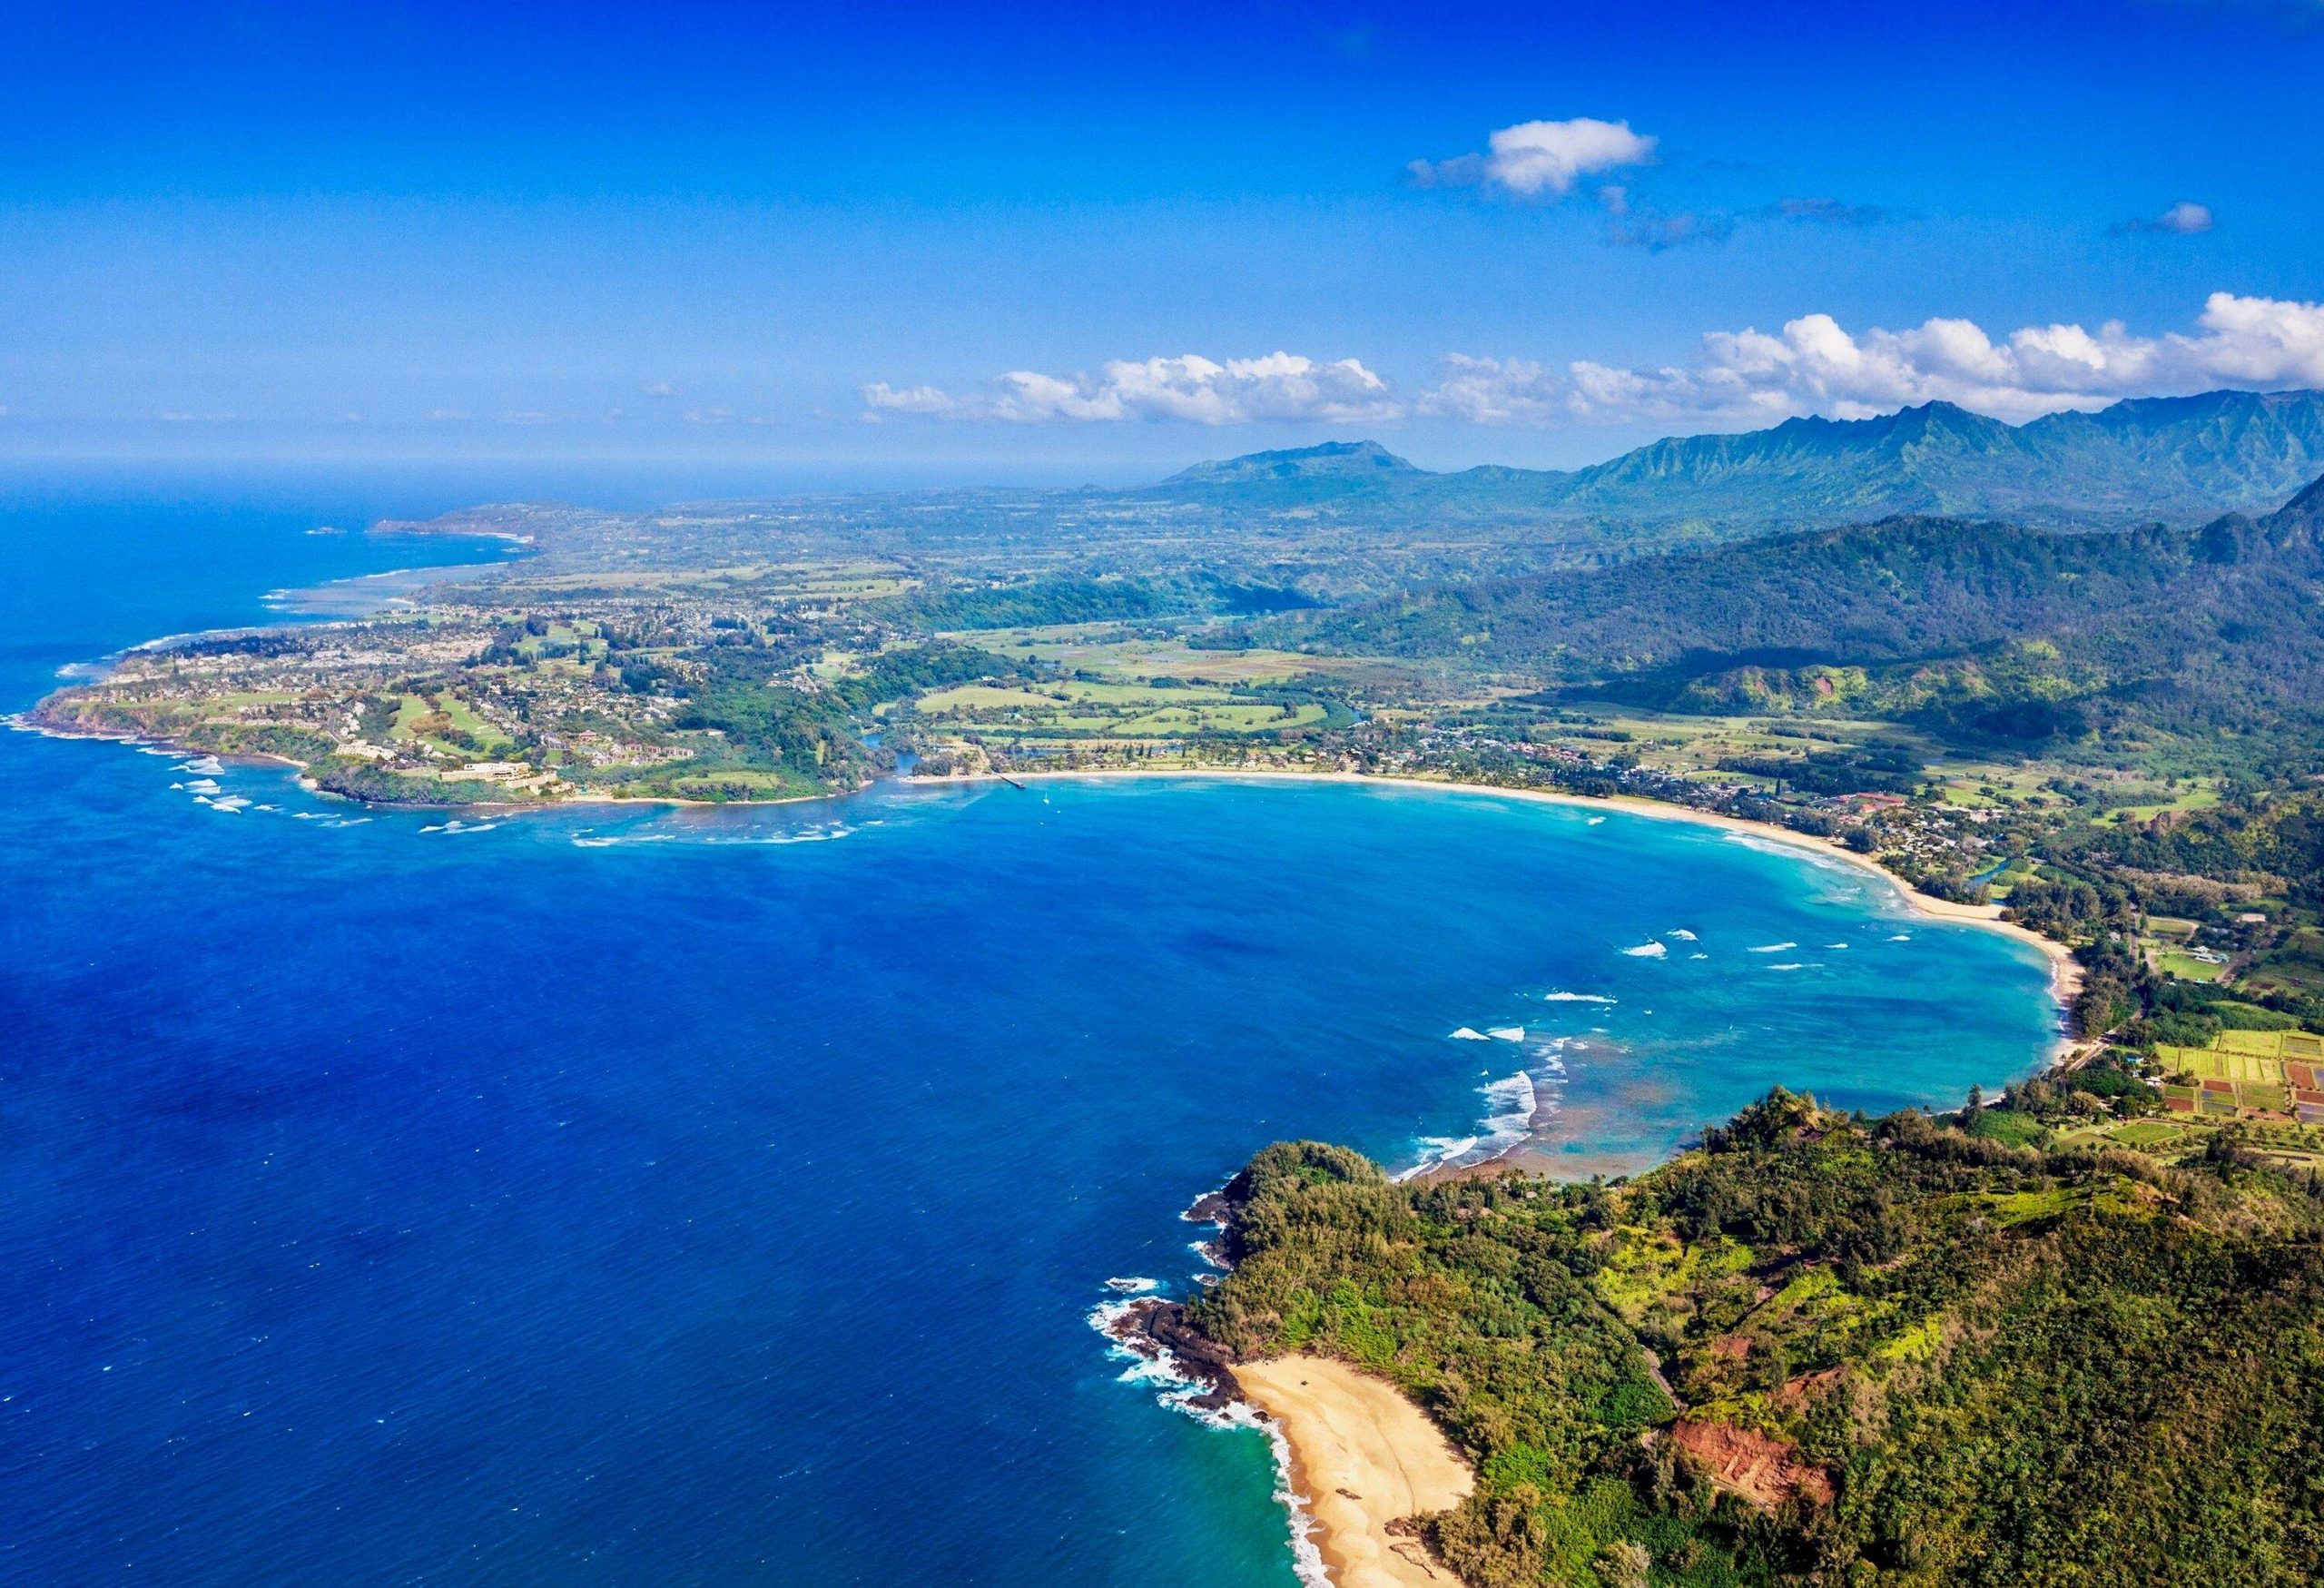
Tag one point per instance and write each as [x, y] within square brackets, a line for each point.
[1762, 1469]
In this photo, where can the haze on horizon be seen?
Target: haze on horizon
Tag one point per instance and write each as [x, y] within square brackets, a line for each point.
[970, 240]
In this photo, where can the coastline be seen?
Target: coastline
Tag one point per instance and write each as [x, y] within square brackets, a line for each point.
[2066, 973]
[1366, 1460]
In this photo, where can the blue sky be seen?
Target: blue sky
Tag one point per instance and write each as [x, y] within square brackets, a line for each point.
[1002, 244]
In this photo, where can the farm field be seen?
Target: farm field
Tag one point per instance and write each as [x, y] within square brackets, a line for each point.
[2245, 1073]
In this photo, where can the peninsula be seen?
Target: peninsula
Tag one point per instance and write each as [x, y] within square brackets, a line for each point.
[1818, 1348]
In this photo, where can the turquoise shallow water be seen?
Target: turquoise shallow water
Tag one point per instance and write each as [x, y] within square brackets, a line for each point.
[720, 1196]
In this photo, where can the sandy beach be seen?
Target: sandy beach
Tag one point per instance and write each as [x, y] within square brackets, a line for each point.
[1365, 1458]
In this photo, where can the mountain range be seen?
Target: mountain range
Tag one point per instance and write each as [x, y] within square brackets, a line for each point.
[1998, 628]
[2167, 459]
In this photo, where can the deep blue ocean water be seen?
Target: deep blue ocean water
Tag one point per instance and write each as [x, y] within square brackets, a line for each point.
[652, 1197]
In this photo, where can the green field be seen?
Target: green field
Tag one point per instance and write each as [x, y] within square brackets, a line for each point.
[2251, 1063]
[1084, 710]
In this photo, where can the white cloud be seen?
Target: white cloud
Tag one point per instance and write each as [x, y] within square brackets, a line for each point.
[882, 398]
[2181, 220]
[1814, 365]
[1541, 159]
[1496, 391]
[656, 389]
[1188, 387]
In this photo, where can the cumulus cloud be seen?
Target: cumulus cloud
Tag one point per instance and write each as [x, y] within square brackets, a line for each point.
[1536, 160]
[1496, 391]
[2181, 220]
[1187, 388]
[1815, 366]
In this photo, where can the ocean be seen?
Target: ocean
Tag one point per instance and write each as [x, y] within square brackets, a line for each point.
[722, 1196]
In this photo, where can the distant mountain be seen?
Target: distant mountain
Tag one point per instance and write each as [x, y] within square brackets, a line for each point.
[2172, 459]
[1990, 626]
[1354, 463]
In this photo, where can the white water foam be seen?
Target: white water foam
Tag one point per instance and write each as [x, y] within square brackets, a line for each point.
[1575, 997]
[1789, 965]
[1506, 1034]
[1469, 1034]
[1132, 1285]
[456, 826]
[1511, 1103]
[1682, 934]
[808, 835]
[1774, 948]
[1647, 951]
[1152, 1364]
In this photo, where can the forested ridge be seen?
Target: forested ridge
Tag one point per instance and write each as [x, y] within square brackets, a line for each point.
[2183, 459]
[1823, 1349]
[2002, 628]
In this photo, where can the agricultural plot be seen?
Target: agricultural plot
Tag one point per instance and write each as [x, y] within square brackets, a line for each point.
[2242, 1074]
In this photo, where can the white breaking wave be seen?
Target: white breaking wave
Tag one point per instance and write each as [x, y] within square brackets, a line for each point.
[1900, 937]
[456, 826]
[1575, 997]
[1132, 1285]
[1510, 1104]
[1836, 945]
[1506, 1034]
[1774, 948]
[1790, 965]
[1682, 934]
[1467, 1034]
[1647, 951]
[1152, 1365]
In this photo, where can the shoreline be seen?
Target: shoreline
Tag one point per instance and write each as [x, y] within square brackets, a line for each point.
[2066, 973]
[1366, 1460]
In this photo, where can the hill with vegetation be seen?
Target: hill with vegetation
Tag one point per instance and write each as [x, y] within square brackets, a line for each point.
[2003, 630]
[1823, 1349]
[2176, 460]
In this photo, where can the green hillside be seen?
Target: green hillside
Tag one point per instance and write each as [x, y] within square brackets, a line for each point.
[1826, 1350]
